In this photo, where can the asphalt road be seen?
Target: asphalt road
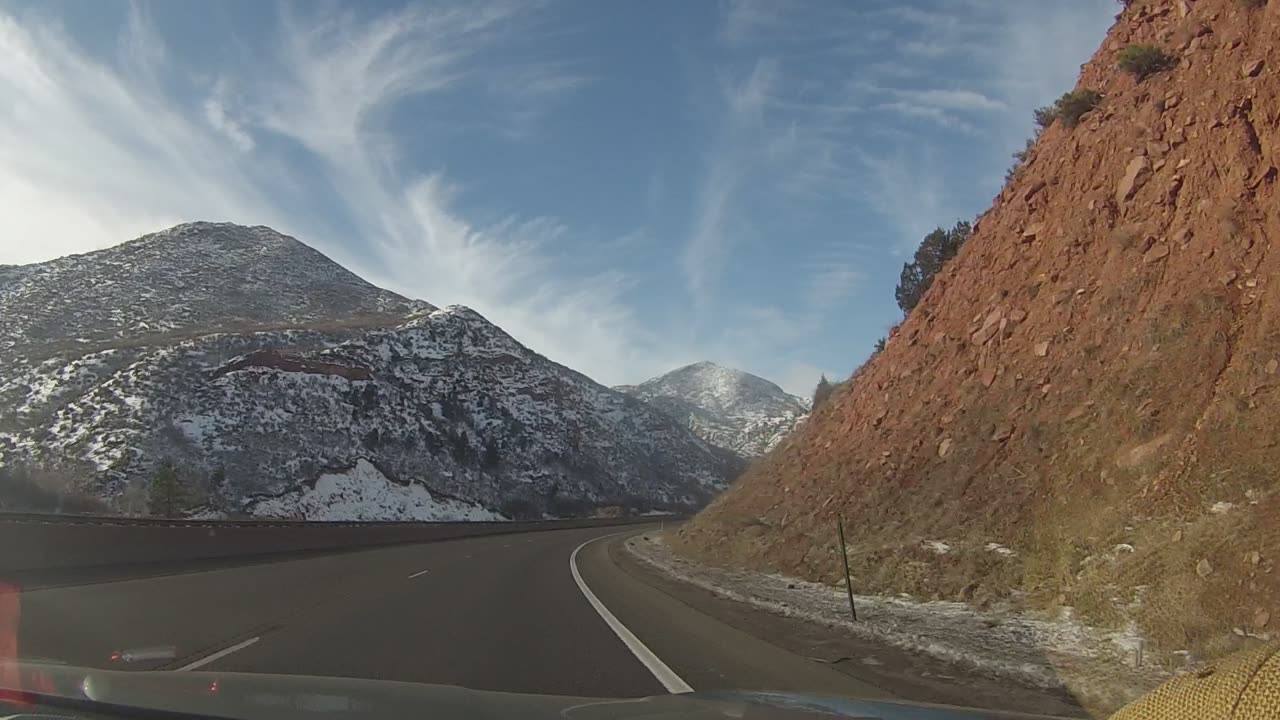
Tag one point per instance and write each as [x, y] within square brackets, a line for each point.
[491, 613]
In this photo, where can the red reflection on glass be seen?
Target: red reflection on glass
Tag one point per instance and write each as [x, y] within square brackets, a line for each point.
[10, 614]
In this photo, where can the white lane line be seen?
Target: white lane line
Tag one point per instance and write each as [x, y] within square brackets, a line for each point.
[420, 573]
[220, 654]
[671, 681]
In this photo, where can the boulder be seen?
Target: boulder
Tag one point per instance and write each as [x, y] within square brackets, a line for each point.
[1136, 175]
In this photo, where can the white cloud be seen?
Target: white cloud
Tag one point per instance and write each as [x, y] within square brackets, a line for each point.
[727, 163]
[95, 152]
[951, 99]
[91, 155]
[974, 69]
[215, 112]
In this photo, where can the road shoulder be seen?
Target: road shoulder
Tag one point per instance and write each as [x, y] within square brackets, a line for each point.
[891, 671]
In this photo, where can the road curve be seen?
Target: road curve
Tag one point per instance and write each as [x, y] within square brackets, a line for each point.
[491, 613]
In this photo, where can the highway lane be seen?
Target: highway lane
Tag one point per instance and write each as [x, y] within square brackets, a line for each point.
[494, 613]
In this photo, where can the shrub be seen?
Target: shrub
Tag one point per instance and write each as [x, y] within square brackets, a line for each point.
[166, 495]
[1045, 116]
[1069, 108]
[1145, 60]
[1020, 158]
[1073, 105]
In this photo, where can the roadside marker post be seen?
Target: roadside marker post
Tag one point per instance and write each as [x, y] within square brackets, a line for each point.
[844, 555]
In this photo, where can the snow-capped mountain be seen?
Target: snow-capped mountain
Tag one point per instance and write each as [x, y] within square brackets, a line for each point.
[283, 385]
[728, 408]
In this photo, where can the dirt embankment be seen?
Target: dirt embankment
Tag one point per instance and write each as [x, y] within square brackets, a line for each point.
[1084, 409]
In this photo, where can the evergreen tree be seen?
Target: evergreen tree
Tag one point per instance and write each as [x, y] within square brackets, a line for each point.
[218, 490]
[822, 392]
[166, 497]
[935, 250]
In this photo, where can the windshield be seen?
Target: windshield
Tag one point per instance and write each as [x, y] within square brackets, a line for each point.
[882, 358]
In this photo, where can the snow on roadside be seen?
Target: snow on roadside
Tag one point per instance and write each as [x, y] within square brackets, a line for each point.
[364, 493]
[937, 547]
[999, 549]
[1044, 652]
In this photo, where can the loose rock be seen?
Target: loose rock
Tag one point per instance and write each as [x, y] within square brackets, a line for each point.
[1135, 176]
[1158, 252]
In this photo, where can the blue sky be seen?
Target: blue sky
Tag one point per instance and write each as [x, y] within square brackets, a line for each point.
[623, 186]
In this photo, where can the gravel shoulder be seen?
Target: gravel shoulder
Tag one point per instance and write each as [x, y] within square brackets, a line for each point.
[940, 652]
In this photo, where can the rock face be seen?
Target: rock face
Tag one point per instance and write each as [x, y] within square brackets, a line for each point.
[728, 408]
[279, 383]
[1133, 395]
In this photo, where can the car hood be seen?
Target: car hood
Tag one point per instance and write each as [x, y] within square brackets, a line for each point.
[80, 692]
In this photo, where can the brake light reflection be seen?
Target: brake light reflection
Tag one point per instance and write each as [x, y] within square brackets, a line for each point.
[10, 614]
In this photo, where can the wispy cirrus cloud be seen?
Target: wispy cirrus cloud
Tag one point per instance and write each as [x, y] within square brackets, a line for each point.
[836, 135]
[898, 109]
[92, 153]
[72, 120]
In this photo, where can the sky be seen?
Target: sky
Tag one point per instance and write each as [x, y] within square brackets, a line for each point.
[625, 187]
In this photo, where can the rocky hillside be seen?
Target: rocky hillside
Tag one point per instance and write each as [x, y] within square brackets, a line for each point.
[1082, 410]
[728, 408]
[278, 383]
[198, 276]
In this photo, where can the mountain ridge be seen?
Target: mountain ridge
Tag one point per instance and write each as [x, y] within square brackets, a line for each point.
[318, 372]
[217, 274]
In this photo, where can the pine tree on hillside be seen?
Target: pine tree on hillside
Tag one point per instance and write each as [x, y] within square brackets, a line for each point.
[935, 250]
[165, 497]
[218, 490]
[822, 392]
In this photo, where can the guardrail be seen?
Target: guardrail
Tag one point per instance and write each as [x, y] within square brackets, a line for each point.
[32, 543]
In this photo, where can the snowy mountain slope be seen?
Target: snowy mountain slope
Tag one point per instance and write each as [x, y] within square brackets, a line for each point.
[728, 408]
[437, 414]
[197, 276]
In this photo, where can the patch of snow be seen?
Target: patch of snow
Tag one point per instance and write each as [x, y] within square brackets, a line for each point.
[937, 547]
[364, 493]
[1122, 548]
[1221, 507]
[999, 549]
[195, 427]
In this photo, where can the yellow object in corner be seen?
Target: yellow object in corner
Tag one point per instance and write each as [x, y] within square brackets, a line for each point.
[1244, 686]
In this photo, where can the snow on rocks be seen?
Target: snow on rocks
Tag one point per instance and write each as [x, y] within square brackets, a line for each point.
[262, 361]
[364, 493]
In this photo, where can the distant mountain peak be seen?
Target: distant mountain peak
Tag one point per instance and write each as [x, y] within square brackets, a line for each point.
[725, 406]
